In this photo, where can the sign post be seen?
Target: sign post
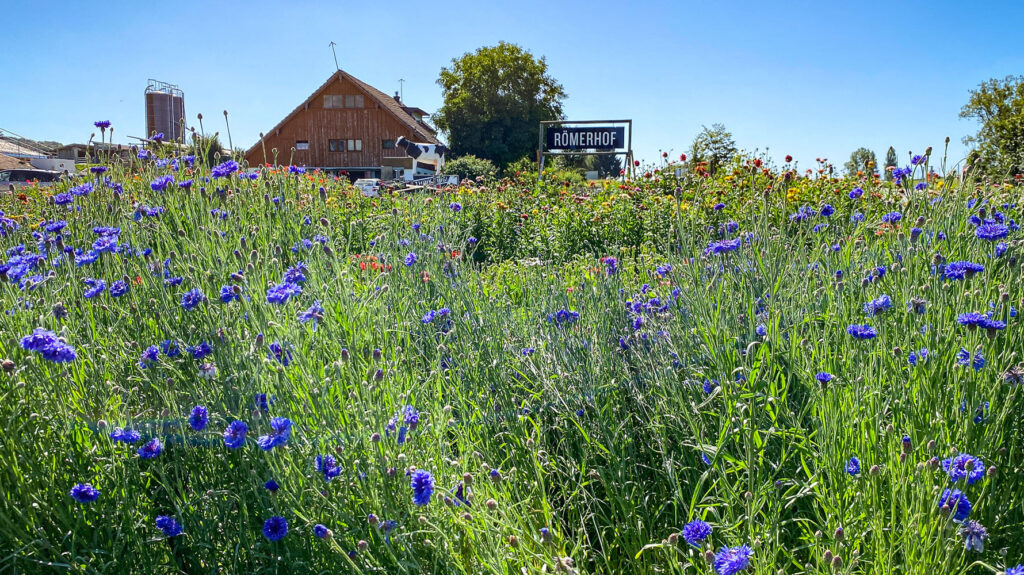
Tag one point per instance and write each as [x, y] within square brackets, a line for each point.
[585, 138]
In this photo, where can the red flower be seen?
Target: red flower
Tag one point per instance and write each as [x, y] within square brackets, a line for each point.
[664, 154]
[789, 158]
[682, 157]
[622, 172]
[636, 162]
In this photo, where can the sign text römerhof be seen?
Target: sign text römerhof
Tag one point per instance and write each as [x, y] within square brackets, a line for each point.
[590, 138]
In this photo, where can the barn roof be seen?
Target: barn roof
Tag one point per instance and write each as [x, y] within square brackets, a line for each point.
[421, 131]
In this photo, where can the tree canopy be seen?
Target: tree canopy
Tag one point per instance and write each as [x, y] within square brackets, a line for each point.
[861, 160]
[494, 101]
[713, 145]
[998, 105]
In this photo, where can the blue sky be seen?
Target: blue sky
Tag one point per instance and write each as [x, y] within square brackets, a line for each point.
[808, 79]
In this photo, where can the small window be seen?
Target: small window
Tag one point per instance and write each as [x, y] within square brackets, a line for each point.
[80, 153]
[355, 145]
[336, 145]
[387, 144]
[354, 101]
[332, 101]
[302, 144]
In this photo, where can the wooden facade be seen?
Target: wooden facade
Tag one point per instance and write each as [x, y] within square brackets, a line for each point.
[347, 125]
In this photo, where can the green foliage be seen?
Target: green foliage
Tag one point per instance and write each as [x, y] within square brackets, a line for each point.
[494, 101]
[606, 165]
[470, 167]
[713, 145]
[861, 160]
[998, 105]
[890, 159]
[209, 151]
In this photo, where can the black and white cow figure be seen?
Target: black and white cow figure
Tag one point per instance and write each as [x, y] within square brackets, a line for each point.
[429, 153]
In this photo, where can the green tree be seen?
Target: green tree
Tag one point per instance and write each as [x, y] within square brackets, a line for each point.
[469, 167]
[998, 105]
[713, 145]
[494, 101]
[861, 160]
[890, 159]
[606, 165]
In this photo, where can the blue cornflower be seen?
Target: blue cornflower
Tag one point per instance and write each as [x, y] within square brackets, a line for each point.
[271, 486]
[320, 531]
[198, 418]
[275, 528]
[282, 430]
[262, 402]
[921, 187]
[1018, 570]
[455, 206]
[118, 288]
[878, 305]
[991, 232]
[563, 317]
[47, 344]
[963, 358]
[314, 313]
[280, 353]
[862, 331]
[102, 124]
[856, 193]
[84, 493]
[974, 535]
[918, 160]
[663, 270]
[732, 560]
[718, 207]
[964, 466]
[327, 466]
[696, 531]
[192, 298]
[160, 184]
[280, 294]
[105, 244]
[761, 330]
[168, 525]
[611, 265]
[422, 487]
[823, 377]
[819, 227]
[957, 503]
[151, 449]
[992, 325]
[234, 435]
[962, 269]
[149, 356]
[224, 169]
[1001, 248]
[227, 294]
[892, 217]
[199, 351]
[96, 287]
[125, 435]
[853, 466]
[857, 218]
[971, 319]
[296, 274]
[410, 259]
[827, 210]
[722, 246]
[63, 199]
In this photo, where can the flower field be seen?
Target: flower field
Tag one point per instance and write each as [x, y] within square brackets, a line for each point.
[246, 369]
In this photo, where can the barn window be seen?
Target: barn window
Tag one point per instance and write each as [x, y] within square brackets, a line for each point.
[355, 145]
[387, 144]
[332, 101]
[301, 144]
[336, 145]
[354, 101]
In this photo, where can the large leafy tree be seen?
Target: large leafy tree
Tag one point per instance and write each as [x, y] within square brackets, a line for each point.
[861, 160]
[494, 101]
[998, 105]
[713, 145]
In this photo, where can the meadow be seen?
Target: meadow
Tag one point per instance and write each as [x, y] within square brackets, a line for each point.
[255, 369]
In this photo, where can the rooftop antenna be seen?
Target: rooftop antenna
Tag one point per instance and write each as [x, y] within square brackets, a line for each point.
[332, 45]
[401, 88]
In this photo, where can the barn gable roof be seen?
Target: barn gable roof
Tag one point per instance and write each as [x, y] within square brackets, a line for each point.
[420, 130]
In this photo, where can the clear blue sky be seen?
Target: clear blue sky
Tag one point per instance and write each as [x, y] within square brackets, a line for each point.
[813, 79]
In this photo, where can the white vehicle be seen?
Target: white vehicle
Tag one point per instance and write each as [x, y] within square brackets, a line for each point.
[369, 186]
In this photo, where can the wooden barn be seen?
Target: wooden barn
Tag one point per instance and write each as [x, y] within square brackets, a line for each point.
[345, 125]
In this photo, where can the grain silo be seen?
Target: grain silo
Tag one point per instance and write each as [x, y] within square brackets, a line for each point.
[165, 110]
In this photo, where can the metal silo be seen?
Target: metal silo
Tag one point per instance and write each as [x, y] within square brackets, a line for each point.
[165, 110]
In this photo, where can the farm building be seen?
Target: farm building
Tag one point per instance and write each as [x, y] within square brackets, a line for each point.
[345, 125]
